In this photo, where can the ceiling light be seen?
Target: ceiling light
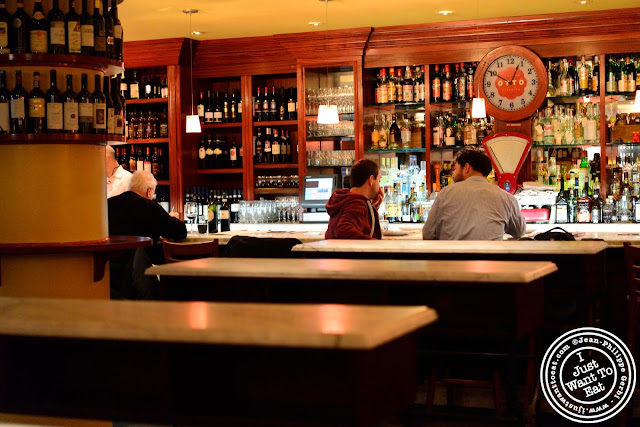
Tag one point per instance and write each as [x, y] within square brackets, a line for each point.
[198, 33]
[445, 12]
[193, 121]
[314, 23]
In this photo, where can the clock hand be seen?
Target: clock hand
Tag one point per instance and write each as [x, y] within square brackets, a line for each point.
[500, 77]
[514, 73]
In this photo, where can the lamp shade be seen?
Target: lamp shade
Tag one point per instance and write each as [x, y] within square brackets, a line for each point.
[328, 115]
[478, 111]
[193, 124]
[636, 103]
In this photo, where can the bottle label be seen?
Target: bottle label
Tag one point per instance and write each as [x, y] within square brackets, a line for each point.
[4, 117]
[117, 31]
[85, 110]
[233, 154]
[239, 107]
[267, 146]
[436, 88]
[562, 214]
[202, 153]
[36, 107]
[87, 35]
[291, 107]
[595, 216]
[118, 124]
[224, 214]
[275, 149]
[446, 91]
[71, 116]
[54, 116]
[56, 32]
[110, 40]
[111, 124]
[4, 35]
[201, 110]
[99, 115]
[75, 36]
[134, 91]
[38, 39]
[100, 42]
[407, 93]
[217, 116]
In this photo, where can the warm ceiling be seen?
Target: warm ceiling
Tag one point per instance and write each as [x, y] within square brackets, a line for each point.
[156, 19]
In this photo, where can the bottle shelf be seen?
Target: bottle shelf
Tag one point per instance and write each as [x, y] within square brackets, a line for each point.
[398, 150]
[402, 105]
[343, 116]
[50, 60]
[221, 125]
[328, 137]
[146, 101]
[276, 190]
[460, 105]
[588, 144]
[60, 138]
[276, 123]
[148, 141]
[275, 166]
[218, 171]
[616, 143]
[453, 147]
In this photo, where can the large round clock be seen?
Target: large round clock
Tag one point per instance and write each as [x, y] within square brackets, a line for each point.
[513, 82]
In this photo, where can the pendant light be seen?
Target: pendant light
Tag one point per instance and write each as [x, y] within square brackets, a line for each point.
[478, 110]
[636, 103]
[327, 113]
[193, 121]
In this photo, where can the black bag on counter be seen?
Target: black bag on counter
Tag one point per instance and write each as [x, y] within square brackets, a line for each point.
[561, 235]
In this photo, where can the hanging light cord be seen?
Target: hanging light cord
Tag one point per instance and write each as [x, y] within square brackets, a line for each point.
[191, 58]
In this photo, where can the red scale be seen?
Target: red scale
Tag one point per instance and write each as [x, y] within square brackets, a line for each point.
[507, 151]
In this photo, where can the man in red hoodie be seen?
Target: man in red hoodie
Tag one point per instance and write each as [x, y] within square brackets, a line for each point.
[354, 213]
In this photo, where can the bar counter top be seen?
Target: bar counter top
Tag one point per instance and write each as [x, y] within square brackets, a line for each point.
[359, 269]
[330, 326]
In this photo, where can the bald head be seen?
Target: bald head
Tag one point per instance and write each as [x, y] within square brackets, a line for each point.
[143, 183]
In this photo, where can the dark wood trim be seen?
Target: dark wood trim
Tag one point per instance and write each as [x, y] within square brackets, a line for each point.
[50, 60]
[147, 101]
[221, 125]
[147, 141]
[156, 53]
[177, 118]
[218, 171]
[275, 166]
[247, 137]
[59, 138]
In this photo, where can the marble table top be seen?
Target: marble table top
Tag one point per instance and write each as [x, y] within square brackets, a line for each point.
[331, 326]
[454, 246]
[360, 269]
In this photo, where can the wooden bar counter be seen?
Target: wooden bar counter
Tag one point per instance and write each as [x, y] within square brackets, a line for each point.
[203, 363]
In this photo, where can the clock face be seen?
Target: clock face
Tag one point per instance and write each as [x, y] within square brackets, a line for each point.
[510, 83]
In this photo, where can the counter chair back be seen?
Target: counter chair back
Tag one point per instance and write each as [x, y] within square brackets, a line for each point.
[175, 252]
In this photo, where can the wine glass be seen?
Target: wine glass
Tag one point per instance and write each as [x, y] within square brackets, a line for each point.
[191, 212]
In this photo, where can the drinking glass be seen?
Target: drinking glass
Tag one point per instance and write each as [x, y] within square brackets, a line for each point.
[191, 212]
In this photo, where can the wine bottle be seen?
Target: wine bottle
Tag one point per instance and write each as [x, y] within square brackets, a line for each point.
[217, 109]
[36, 107]
[217, 153]
[257, 108]
[54, 108]
[117, 31]
[155, 166]
[118, 106]
[70, 107]
[139, 160]
[202, 153]
[74, 30]
[273, 105]
[86, 27]
[5, 20]
[233, 107]
[208, 109]
[132, 159]
[212, 214]
[99, 31]
[109, 31]
[99, 108]
[265, 105]
[146, 162]
[19, 30]
[18, 106]
[85, 107]
[200, 107]
[225, 223]
[266, 146]
[57, 37]
[233, 153]
[436, 86]
[209, 163]
[224, 105]
[5, 98]
[134, 86]
[109, 105]
[275, 147]
[291, 105]
[38, 34]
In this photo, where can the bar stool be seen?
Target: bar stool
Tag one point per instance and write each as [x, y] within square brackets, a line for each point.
[632, 266]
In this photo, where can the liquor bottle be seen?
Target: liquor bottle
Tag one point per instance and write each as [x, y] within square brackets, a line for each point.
[611, 77]
[461, 84]
[87, 31]
[266, 146]
[447, 84]
[596, 205]
[391, 86]
[583, 214]
[258, 147]
[217, 109]
[275, 147]
[407, 86]
[399, 93]
[85, 107]
[117, 31]
[395, 138]
[470, 88]
[212, 214]
[70, 108]
[163, 124]
[583, 77]
[99, 31]
[5, 21]
[146, 161]
[436, 86]
[266, 116]
[5, 98]
[257, 107]
[118, 106]
[109, 105]
[375, 133]
[155, 166]
[109, 31]
[73, 33]
[572, 203]
[224, 214]
[630, 75]
[54, 107]
[233, 107]
[291, 105]
[381, 87]
[38, 34]
[99, 108]
[594, 85]
[19, 30]
[57, 38]
[273, 105]
[36, 122]
[562, 205]
[233, 153]
[574, 81]
[405, 131]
